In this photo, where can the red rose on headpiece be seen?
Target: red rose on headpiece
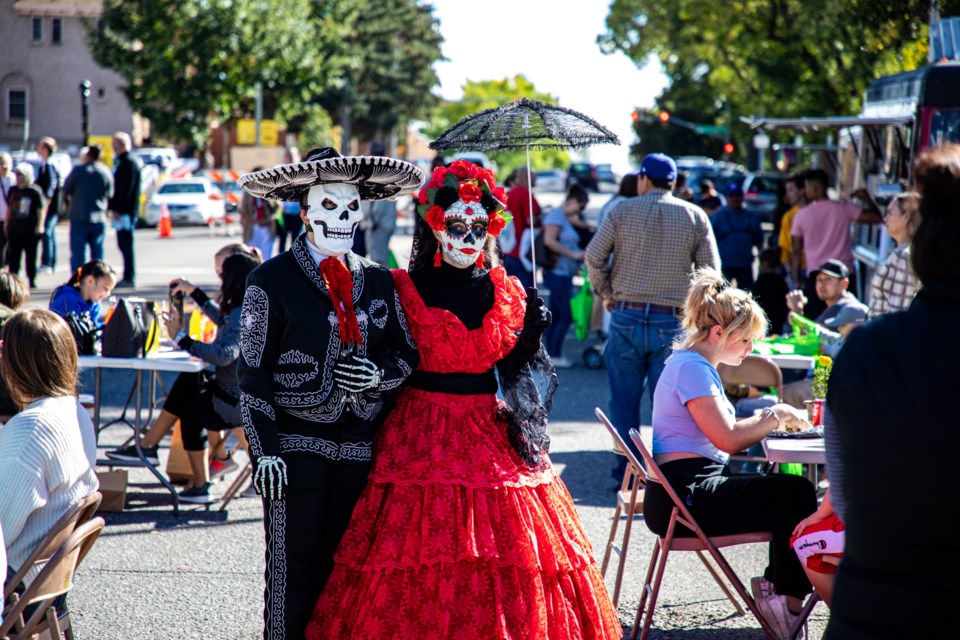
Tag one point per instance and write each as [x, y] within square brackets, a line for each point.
[495, 224]
[464, 170]
[436, 180]
[469, 192]
[499, 194]
[434, 218]
[487, 176]
[424, 198]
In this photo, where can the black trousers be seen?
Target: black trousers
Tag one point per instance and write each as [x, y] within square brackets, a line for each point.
[725, 504]
[191, 400]
[20, 245]
[303, 530]
[125, 244]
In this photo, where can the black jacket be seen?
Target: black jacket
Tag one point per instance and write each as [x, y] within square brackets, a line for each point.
[126, 186]
[49, 182]
[892, 454]
[289, 344]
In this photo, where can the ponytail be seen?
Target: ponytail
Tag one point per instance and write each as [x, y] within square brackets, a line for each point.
[712, 301]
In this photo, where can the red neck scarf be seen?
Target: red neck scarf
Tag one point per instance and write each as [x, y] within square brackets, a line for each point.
[340, 285]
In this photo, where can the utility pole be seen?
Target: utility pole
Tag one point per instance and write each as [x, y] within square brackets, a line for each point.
[85, 110]
[258, 110]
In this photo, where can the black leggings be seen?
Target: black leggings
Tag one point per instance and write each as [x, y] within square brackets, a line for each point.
[723, 504]
[191, 400]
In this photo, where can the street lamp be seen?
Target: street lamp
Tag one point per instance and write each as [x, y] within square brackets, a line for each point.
[85, 110]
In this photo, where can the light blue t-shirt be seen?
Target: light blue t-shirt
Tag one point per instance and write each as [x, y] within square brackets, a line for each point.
[569, 238]
[686, 375]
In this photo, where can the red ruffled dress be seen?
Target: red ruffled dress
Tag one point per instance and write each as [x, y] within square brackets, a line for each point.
[454, 537]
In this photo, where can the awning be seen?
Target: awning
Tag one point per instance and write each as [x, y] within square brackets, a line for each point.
[816, 124]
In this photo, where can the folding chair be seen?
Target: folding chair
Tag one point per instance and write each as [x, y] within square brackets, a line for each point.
[681, 516]
[629, 504]
[756, 371]
[54, 580]
[76, 516]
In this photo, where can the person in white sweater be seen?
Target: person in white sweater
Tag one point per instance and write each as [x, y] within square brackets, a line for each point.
[48, 450]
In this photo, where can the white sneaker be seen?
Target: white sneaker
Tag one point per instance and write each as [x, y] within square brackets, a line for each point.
[561, 363]
[761, 588]
[778, 616]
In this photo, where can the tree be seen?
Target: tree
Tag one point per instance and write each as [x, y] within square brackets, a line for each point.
[775, 57]
[391, 47]
[488, 94]
[189, 61]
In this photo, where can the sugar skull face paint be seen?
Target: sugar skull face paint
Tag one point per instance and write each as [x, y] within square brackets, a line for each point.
[464, 233]
[333, 212]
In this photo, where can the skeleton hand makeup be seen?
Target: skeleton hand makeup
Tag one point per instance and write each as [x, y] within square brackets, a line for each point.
[270, 477]
[355, 374]
[333, 212]
[465, 233]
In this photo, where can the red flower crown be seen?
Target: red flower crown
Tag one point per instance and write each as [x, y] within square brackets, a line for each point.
[463, 180]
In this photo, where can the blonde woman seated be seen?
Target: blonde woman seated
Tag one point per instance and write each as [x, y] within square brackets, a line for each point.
[695, 431]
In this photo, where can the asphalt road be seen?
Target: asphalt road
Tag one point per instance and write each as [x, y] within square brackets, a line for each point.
[199, 575]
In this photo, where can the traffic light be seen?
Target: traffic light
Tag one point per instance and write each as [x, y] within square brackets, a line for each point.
[728, 148]
[664, 117]
[635, 116]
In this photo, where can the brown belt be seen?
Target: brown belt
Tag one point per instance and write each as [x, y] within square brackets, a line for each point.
[648, 307]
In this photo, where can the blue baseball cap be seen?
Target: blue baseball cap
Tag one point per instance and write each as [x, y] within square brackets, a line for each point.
[733, 189]
[658, 166]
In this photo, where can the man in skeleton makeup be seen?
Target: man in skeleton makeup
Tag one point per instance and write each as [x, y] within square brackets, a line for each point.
[324, 345]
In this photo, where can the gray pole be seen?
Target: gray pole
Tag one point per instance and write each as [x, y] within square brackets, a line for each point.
[258, 113]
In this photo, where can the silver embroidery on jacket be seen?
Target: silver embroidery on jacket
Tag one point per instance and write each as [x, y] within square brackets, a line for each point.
[291, 379]
[253, 325]
[356, 451]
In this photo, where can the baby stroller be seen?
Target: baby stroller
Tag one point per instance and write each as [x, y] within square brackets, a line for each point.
[586, 309]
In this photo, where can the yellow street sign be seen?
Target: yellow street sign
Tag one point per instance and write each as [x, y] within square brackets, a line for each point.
[247, 132]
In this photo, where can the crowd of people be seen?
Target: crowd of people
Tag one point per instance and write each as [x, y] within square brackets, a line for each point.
[331, 364]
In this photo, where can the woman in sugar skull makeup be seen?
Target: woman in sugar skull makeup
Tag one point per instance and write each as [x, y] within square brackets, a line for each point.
[464, 529]
[324, 343]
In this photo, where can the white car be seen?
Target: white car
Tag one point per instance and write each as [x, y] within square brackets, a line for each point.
[189, 201]
[551, 180]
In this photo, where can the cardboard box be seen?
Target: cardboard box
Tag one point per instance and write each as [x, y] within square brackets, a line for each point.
[178, 465]
[113, 487]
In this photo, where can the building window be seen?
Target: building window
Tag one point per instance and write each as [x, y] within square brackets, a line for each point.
[38, 29]
[16, 104]
[56, 31]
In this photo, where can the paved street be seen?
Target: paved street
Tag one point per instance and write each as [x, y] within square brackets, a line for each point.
[199, 575]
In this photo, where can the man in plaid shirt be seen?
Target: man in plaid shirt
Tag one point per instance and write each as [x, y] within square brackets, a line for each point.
[656, 241]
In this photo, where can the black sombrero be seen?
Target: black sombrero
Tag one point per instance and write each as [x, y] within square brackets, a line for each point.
[376, 177]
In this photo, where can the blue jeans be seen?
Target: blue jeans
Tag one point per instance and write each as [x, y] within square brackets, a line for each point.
[48, 244]
[515, 267]
[81, 235]
[561, 290]
[638, 346]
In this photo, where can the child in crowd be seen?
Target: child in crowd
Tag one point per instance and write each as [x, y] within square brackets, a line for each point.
[84, 291]
[771, 290]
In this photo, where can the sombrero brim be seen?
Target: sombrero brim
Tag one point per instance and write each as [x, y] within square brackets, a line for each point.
[376, 177]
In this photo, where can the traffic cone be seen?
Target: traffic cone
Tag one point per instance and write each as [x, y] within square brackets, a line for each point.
[165, 226]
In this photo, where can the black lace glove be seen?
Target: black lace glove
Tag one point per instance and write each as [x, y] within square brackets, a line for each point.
[536, 319]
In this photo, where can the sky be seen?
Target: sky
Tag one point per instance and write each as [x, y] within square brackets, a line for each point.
[554, 46]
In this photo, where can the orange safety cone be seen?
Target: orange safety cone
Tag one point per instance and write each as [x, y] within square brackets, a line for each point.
[165, 225]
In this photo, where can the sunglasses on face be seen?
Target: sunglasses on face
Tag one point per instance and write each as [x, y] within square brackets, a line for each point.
[458, 228]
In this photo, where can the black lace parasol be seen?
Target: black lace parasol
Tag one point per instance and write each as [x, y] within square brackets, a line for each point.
[525, 124]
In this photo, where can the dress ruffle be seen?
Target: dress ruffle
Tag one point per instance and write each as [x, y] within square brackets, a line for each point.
[454, 536]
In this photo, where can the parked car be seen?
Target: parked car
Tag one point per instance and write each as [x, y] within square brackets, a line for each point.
[585, 174]
[163, 157]
[189, 201]
[605, 174]
[551, 180]
[761, 193]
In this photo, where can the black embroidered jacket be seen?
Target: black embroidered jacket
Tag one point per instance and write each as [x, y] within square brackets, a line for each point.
[290, 342]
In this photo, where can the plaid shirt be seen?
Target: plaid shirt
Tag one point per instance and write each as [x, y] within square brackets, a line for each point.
[657, 240]
[893, 285]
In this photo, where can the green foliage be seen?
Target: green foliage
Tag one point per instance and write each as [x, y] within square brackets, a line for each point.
[187, 62]
[388, 75]
[488, 94]
[769, 57]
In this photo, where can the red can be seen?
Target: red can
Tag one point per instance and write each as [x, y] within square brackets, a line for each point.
[816, 413]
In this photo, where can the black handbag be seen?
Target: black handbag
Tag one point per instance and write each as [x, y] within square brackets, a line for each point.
[131, 331]
[544, 256]
[85, 333]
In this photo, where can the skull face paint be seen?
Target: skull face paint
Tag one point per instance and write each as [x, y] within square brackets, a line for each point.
[333, 212]
[465, 233]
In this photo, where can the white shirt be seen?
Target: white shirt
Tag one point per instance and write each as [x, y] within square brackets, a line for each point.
[7, 182]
